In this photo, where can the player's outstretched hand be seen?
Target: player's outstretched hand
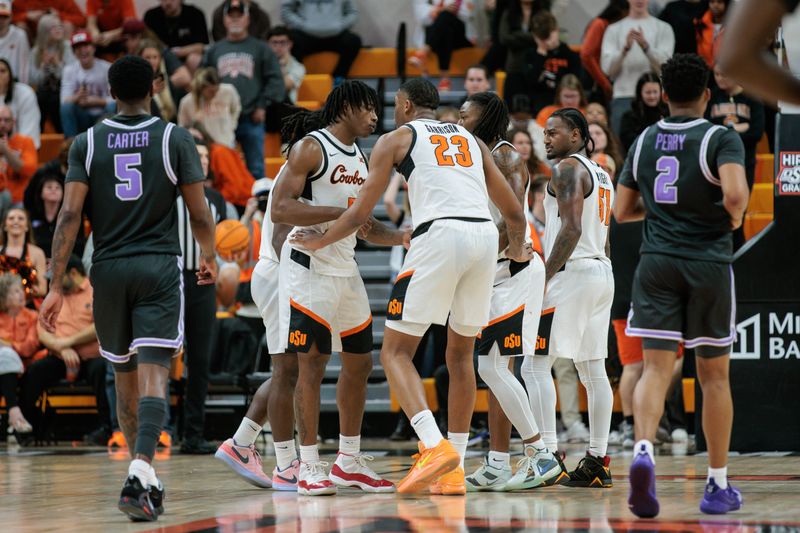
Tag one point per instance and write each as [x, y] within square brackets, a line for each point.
[308, 239]
[51, 307]
[207, 274]
[520, 254]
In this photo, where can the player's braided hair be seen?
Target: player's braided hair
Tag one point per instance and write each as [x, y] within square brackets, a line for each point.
[575, 120]
[684, 77]
[349, 95]
[421, 92]
[493, 122]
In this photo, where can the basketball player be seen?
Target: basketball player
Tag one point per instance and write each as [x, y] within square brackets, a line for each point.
[130, 167]
[685, 177]
[325, 307]
[449, 268]
[580, 288]
[513, 323]
[741, 54]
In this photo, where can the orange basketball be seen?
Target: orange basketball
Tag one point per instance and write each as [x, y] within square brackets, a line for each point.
[231, 237]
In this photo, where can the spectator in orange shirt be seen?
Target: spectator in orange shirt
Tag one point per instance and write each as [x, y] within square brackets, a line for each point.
[18, 159]
[18, 342]
[105, 19]
[27, 13]
[593, 42]
[73, 352]
[568, 94]
[709, 28]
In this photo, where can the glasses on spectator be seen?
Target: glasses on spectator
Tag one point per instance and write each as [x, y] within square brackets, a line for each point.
[280, 42]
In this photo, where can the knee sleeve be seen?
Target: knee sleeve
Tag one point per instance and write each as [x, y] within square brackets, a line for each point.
[128, 366]
[151, 414]
[154, 355]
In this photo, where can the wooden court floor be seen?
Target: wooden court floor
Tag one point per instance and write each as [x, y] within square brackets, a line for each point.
[76, 488]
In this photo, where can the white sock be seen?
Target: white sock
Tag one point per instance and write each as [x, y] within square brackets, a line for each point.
[646, 446]
[285, 454]
[538, 377]
[459, 442]
[140, 469]
[247, 433]
[537, 445]
[720, 476]
[350, 445]
[601, 402]
[309, 454]
[499, 460]
[153, 479]
[425, 426]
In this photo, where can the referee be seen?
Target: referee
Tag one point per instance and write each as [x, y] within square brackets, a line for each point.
[200, 313]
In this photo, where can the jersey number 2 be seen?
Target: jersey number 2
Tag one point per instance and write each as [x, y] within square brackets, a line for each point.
[462, 157]
[131, 187]
[665, 191]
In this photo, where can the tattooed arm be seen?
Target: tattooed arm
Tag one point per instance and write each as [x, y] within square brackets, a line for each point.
[569, 184]
[383, 235]
[515, 171]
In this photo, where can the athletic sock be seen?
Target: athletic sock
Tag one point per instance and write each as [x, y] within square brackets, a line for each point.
[350, 445]
[648, 448]
[425, 426]
[719, 475]
[629, 420]
[459, 442]
[309, 454]
[499, 460]
[151, 414]
[537, 445]
[247, 433]
[140, 469]
[285, 454]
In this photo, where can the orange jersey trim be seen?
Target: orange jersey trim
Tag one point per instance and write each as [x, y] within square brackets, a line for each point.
[404, 275]
[353, 331]
[505, 316]
[310, 313]
[548, 311]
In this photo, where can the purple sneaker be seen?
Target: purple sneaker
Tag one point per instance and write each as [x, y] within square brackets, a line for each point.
[718, 501]
[642, 499]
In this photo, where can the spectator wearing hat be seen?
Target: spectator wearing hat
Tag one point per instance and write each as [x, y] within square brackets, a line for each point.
[182, 27]
[14, 47]
[105, 19]
[323, 26]
[249, 65]
[84, 87]
[259, 21]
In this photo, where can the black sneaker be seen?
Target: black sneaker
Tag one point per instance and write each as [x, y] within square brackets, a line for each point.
[197, 446]
[157, 498]
[135, 501]
[561, 478]
[591, 472]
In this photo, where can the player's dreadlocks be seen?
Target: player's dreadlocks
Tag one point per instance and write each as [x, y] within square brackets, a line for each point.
[575, 120]
[493, 122]
[349, 95]
[684, 77]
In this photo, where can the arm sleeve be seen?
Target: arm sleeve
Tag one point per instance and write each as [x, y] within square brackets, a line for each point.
[188, 168]
[514, 39]
[290, 15]
[609, 49]
[349, 14]
[77, 161]
[590, 52]
[730, 149]
[626, 176]
[272, 79]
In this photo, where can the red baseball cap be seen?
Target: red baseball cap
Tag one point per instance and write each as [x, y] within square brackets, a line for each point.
[80, 37]
[5, 8]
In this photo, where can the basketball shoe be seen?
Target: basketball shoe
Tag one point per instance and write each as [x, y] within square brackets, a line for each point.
[720, 501]
[450, 484]
[429, 464]
[313, 480]
[245, 461]
[642, 500]
[591, 472]
[135, 502]
[563, 476]
[488, 478]
[534, 469]
[157, 495]
[286, 479]
[352, 471]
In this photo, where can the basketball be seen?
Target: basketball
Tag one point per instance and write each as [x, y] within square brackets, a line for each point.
[231, 237]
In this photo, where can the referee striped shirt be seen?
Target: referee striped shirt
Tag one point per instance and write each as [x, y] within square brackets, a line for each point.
[190, 249]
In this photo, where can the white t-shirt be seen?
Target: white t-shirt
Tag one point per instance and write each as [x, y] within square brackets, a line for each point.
[14, 48]
[26, 112]
[659, 36]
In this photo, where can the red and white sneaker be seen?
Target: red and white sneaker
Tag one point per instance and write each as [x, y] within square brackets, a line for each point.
[286, 479]
[352, 471]
[245, 462]
[313, 480]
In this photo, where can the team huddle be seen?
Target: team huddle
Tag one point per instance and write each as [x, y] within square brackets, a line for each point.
[470, 265]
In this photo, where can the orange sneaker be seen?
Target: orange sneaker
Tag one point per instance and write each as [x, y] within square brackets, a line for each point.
[117, 440]
[450, 484]
[165, 440]
[430, 464]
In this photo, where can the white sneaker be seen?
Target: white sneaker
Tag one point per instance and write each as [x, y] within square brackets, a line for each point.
[577, 432]
[488, 478]
[313, 480]
[534, 470]
[680, 436]
[627, 435]
[352, 471]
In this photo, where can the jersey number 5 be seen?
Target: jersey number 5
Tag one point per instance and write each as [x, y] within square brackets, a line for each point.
[131, 187]
[462, 157]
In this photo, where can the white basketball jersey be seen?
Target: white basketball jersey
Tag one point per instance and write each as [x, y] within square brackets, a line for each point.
[444, 171]
[335, 184]
[266, 252]
[497, 217]
[594, 220]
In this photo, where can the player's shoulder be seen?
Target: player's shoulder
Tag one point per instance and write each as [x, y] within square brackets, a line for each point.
[504, 153]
